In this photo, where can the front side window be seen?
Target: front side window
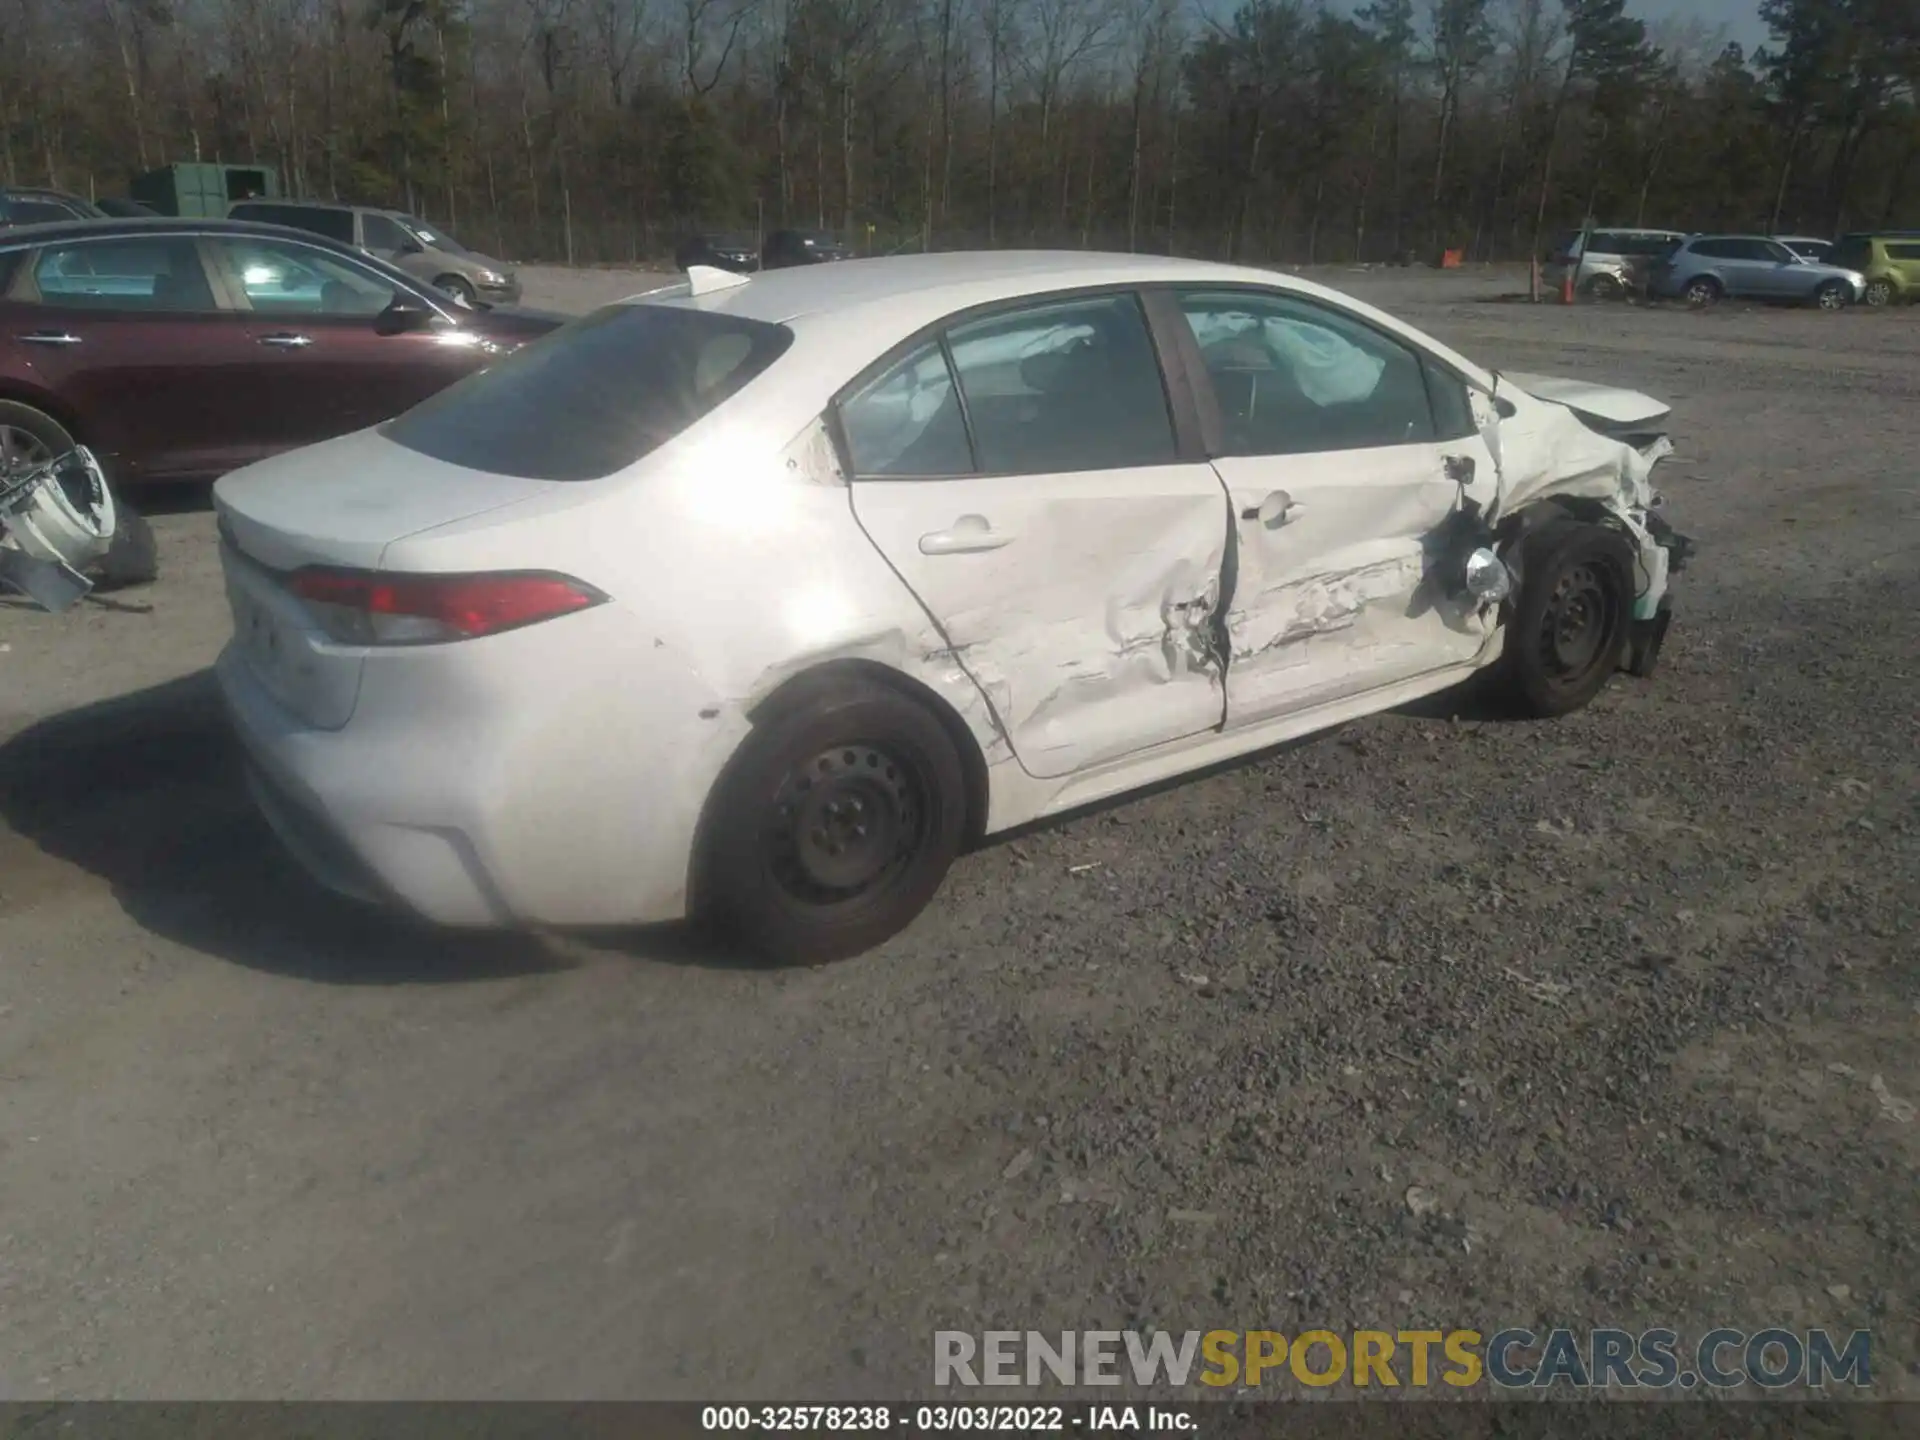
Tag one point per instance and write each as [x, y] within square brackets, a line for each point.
[162, 275]
[1068, 385]
[1903, 251]
[1295, 378]
[592, 397]
[908, 421]
[281, 277]
[430, 237]
[382, 234]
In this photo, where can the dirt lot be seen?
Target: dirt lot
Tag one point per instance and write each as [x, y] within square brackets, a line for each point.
[1633, 998]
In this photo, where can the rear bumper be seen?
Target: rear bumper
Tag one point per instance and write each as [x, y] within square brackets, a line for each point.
[470, 815]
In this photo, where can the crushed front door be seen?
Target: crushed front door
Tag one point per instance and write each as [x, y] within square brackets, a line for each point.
[1345, 454]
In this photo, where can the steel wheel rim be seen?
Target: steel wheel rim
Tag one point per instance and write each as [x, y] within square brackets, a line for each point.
[21, 450]
[1879, 293]
[1698, 294]
[846, 823]
[1578, 618]
[1830, 298]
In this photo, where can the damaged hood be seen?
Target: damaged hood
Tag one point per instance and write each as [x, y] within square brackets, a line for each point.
[1610, 405]
[1551, 446]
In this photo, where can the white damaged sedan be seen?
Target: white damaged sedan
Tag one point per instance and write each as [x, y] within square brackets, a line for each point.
[759, 598]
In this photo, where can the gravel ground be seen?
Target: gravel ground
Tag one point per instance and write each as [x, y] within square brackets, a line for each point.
[1631, 998]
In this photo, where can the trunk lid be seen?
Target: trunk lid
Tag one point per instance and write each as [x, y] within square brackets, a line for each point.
[341, 503]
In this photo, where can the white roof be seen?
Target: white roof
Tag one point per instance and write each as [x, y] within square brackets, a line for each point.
[847, 313]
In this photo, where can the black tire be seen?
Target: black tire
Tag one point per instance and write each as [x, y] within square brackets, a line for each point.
[132, 557]
[1568, 627]
[1703, 291]
[456, 288]
[833, 826]
[1834, 295]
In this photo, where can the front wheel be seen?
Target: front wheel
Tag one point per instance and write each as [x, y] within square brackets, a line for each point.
[833, 826]
[1879, 292]
[457, 289]
[1567, 631]
[1834, 295]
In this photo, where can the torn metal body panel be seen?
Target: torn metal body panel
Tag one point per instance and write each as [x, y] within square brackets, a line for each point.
[1560, 449]
[56, 519]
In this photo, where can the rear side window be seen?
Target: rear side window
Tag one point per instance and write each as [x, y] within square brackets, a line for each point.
[1717, 249]
[161, 274]
[594, 396]
[1605, 242]
[315, 219]
[1063, 386]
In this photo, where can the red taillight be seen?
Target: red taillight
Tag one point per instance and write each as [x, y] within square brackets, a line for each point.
[364, 607]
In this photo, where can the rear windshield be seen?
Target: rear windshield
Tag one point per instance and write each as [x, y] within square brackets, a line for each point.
[594, 396]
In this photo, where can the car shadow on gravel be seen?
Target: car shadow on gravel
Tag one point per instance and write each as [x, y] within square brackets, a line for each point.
[146, 792]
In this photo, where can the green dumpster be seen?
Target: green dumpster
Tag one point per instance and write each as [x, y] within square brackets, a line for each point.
[200, 191]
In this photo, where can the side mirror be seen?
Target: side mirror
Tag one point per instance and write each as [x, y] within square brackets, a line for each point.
[405, 316]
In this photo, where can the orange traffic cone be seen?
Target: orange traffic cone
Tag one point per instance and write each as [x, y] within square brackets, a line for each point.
[1566, 288]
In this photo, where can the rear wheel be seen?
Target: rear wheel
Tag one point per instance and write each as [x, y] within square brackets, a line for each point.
[834, 825]
[1879, 292]
[1702, 292]
[1568, 628]
[1607, 287]
[1834, 295]
[31, 437]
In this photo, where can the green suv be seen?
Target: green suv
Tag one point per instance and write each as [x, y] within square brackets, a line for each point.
[1890, 260]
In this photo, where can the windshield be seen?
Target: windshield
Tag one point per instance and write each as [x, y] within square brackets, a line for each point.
[427, 235]
[594, 396]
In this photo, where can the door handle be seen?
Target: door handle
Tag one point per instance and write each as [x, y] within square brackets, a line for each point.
[1276, 509]
[287, 342]
[969, 533]
[48, 337]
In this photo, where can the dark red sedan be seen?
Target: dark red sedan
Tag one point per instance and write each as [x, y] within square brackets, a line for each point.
[182, 349]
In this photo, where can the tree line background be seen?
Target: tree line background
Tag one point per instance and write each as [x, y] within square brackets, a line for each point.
[1280, 130]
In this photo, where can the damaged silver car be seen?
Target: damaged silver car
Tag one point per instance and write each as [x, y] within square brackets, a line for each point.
[760, 597]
